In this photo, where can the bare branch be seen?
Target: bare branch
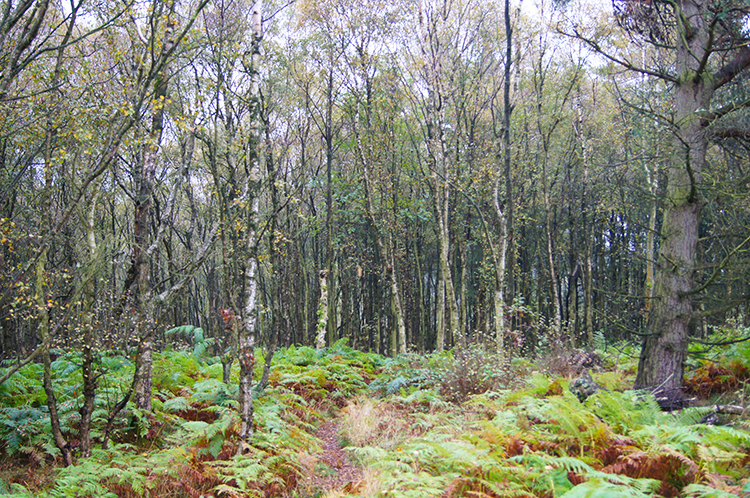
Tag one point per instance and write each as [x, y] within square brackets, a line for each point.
[596, 47]
[740, 62]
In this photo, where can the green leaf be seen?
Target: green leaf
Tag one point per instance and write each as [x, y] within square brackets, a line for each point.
[560, 481]
[195, 425]
[701, 491]
[215, 444]
[176, 404]
[602, 489]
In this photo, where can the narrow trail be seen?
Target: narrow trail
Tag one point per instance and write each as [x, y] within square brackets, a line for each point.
[331, 470]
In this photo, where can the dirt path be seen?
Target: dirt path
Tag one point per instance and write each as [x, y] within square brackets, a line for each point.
[331, 470]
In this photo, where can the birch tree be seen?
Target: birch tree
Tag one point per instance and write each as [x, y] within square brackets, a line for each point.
[433, 18]
[249, 331]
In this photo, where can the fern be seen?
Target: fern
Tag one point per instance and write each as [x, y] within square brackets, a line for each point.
[654, 437]
[24, 387]
[18, 425]
[396, 385]
[626, 411]
[419, 486]
[422, 397]
[540, 465]
[701, 491]
[17, 491]
[299, 356]
[597, 488]
[82, 480]
[691, 416]
[716, 460]
[209, 438]
[196, 336]
[176, 404]
[247, 475]
[727, 437]
[207, 391]
[573, 424]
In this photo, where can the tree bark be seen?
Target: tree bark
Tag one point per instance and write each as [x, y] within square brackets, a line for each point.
[504, 212]
[385, 253]
[322, 328]
[43, 303]
[145, 178]
[87, 322]
[661, 364]
[330, 310]
[248, 333]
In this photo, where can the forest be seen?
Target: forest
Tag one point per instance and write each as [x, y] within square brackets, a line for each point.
[229, 225]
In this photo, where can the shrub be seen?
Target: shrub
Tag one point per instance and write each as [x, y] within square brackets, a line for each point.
[470, 371]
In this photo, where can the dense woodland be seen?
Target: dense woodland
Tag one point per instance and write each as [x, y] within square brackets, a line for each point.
[409, 176]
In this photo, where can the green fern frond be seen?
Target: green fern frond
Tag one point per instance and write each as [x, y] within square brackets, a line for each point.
[625, 411]
[727, 437]
[579, 425]
[234, 492]
[543, 461]
[196, 335]
[367, 454]
[721, 461]
[701, 491]
[691, 416]
[82, 480]
[596, 488]
[655, 437]
[428, 397]
[206, 391]
[18, 491]
[176, 404]
[538, 466]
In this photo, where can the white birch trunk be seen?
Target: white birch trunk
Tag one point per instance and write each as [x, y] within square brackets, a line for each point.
[248, 333]
[320, 335]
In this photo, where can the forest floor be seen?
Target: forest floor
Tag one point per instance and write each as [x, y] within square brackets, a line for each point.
[331, 470]
[339, 423]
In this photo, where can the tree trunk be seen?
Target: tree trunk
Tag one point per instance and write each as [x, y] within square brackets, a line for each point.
[40, 294]
[87, 322]
[305, 295]
[249, 331]
[504, 216]
[553, 284]
[385, 254]
[323, 314]
[588, 232]
[440, 311]
[44, 333]
[661, 365]
[419, 336]
[330, 270]
[438, 179]
[588, 285]
[145, 178]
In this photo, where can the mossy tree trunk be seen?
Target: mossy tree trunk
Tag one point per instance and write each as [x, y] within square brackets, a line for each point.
[661, 365]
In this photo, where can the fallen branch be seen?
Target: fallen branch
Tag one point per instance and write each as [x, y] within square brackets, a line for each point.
[730, 409]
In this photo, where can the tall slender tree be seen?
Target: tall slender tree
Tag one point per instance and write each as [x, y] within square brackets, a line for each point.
[249, 331]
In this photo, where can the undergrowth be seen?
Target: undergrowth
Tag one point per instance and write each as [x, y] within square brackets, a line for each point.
[455, 424]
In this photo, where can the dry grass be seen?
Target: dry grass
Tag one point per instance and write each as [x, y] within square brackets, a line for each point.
[366, 422]
[370, 484]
